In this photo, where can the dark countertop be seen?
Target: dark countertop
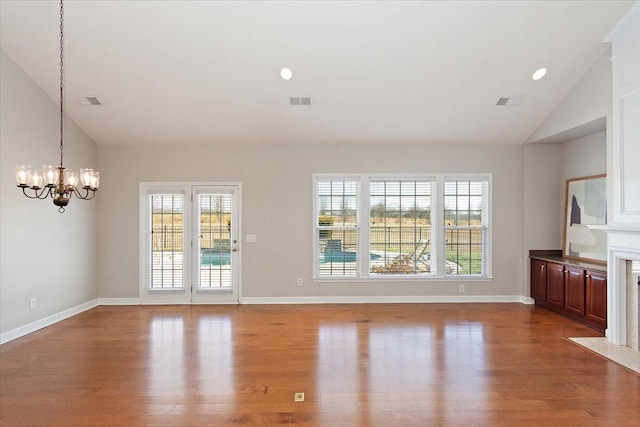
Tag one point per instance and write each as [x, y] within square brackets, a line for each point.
[556, 256]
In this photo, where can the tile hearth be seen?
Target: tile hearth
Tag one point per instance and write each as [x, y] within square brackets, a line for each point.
[624, 356]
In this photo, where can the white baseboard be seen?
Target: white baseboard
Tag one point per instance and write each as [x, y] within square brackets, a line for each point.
[383, 299]
[119, 301]
[527, 300]
[47, 321]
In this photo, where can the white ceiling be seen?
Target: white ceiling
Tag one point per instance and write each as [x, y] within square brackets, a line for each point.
[205, 72]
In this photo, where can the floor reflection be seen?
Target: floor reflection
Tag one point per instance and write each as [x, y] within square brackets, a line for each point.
[430, 368]
[215, 356]
[464, 346]
[338, 361]
[402, 356]
[166, 356]
[191, 362]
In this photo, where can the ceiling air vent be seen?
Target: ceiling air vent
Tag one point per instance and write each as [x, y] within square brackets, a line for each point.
[511, 101]
[300, 100]
[91, 100]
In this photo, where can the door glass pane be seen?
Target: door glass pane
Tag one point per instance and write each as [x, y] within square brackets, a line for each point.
[167, 250]
[215, 241]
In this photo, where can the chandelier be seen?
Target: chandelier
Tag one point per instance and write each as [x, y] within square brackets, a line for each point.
[57, 182]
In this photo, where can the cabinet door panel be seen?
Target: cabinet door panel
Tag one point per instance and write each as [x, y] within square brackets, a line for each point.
[539, 280]
[596, 298]
[555, 285]
[574, 291]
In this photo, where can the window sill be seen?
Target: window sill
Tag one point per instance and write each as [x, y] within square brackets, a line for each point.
[396, 279]
[215, 291]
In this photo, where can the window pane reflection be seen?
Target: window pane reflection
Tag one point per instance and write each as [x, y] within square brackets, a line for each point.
[166, 354]
[215, 355]
[337, 358]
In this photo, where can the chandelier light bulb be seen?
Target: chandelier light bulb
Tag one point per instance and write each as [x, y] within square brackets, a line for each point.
[23, 175]
[86, 176]
[36, 180]
[95, 180]
[71, 178]
[50, 174]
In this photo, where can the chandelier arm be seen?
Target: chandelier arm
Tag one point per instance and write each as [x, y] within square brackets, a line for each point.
[40, 193]
[89, 193]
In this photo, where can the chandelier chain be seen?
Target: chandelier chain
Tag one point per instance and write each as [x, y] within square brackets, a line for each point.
[61, 83]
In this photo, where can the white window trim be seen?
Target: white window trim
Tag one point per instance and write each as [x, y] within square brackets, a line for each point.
[438, 250]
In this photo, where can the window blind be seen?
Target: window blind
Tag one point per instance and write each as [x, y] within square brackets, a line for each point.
[167, 241]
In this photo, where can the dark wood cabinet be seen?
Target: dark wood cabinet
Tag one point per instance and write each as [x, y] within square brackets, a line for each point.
[574, 290]
[571, 289]
[596, 298]
[555, 285]
[538, 280]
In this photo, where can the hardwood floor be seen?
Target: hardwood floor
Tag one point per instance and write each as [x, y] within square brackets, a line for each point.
[358, 365]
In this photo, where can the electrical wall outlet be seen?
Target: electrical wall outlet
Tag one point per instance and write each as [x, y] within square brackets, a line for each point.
[299, 281]
[462, 289]
[298, 397]
[33, 302]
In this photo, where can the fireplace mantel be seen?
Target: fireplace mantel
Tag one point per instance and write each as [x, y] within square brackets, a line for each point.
[623, 228]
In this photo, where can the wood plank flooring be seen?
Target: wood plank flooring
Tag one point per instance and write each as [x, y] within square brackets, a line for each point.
[358, 365]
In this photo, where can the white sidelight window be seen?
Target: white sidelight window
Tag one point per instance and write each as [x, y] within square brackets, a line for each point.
[466, 224]
[336, 221]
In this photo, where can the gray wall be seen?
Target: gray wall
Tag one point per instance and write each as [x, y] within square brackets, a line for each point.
[588, 100]
[544, 196]
[44, 254]
[277, 207]
[585, 156]
[547, 167]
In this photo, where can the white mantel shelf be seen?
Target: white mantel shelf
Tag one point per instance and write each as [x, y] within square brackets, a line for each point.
[619, 228]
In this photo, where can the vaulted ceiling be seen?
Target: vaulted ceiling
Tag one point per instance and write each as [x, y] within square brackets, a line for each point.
[208, 72]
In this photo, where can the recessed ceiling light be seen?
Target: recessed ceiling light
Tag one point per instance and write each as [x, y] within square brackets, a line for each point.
[539, 74]
[286, 74]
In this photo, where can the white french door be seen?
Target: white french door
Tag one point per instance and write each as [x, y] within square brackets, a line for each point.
[190, 248]
[215, 244]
